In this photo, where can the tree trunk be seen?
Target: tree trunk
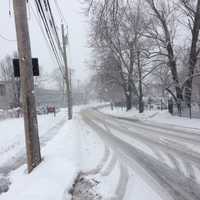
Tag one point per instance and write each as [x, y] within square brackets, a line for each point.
[141, 105]
[193, 55]
[128, 102]
[128, 95]
[179, 99]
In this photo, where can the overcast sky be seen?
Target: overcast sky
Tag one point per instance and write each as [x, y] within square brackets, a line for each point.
[78, 33]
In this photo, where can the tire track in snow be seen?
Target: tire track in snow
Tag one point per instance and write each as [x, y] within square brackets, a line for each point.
[100, 165]
[123, 179]
[123, 182]
[121, 186]
[179, 187]
[156, 130]
[164, 145]
[190, 170]
[175, 163]
[110, 167]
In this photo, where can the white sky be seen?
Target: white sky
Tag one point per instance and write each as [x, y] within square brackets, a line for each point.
[78, 32]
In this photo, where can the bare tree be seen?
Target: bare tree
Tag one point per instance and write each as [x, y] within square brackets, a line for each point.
[162, 30]
[107, 77]
[121, 27]
[117, 30]
[7, 74]
[192, 11]
[165, 13]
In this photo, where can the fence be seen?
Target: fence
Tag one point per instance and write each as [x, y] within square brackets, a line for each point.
[11, 113]
[192, 111]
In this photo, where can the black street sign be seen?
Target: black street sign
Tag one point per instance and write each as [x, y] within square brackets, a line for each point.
[35, 65]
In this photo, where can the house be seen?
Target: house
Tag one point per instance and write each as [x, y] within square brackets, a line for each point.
[6, 95]
[49, 97]
[43, 96]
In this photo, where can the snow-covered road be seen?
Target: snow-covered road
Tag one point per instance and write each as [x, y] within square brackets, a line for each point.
[167, 158]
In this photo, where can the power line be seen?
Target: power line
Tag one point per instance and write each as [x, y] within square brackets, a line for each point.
[6, 39]
[60, 11]
[46, 40]
[52, 23]
[47, 29]
[54, 26]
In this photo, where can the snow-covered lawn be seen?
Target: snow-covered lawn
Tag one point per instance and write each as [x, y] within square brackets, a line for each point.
[12, 138]
[156, 116]
[165, 117]
[54, 177]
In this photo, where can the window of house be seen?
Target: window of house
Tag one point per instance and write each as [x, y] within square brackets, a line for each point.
[2, 90]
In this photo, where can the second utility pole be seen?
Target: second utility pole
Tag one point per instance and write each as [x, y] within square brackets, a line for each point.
[27, 85]
[66, 75]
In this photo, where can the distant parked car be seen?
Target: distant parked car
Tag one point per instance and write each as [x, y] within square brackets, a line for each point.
[41, 110]
[51, 109]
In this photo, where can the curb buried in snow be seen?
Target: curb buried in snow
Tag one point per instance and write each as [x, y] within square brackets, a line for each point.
[87, 182]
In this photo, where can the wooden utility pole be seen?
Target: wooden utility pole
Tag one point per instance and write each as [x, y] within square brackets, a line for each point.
[27, 85]
[67, 75]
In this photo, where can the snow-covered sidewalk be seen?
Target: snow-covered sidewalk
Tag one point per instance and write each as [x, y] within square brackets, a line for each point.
[54, 177]
[12, 139]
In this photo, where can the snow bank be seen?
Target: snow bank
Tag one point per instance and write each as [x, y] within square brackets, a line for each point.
[158, 116]
[12, 139]
[133, 113]
[165, 117]
[54, 177]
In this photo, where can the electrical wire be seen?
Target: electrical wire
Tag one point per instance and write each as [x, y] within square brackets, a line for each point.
[45, 38]
[54, 26]
[60, 12]
[51, 21]
[47, 29]
[6, 39]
